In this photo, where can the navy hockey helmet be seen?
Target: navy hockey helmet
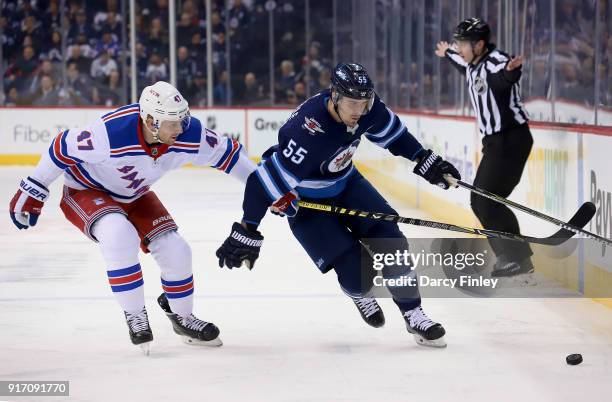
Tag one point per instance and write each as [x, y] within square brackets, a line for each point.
[472, 29]
[352, 80]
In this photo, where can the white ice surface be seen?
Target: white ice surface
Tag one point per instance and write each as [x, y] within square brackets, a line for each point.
[288, 332]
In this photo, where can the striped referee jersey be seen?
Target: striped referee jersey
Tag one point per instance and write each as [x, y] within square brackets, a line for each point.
[495, 92]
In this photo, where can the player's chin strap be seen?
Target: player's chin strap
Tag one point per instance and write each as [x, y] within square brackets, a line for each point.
[335, 99]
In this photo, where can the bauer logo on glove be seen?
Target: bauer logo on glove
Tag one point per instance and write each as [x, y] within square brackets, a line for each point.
[26, 205]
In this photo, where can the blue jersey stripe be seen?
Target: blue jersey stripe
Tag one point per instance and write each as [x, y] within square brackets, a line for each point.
[177, 283]
[123, 271]
[59, 164]
[179, 295]
[129, 286]
[64, 148]
[120, 109]
[234, 160]
[228, 149]
[186, 151]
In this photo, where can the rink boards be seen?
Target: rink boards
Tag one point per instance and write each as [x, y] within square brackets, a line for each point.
[567, 167]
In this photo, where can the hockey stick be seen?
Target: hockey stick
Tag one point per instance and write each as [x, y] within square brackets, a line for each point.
[584, 213]
[561, 236]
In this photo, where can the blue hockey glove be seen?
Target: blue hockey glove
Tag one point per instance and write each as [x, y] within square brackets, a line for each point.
[433, 168]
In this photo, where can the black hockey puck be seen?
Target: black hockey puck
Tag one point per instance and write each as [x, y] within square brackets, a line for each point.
[574, 359]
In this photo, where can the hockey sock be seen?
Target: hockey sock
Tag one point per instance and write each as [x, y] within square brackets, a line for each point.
[119, 244]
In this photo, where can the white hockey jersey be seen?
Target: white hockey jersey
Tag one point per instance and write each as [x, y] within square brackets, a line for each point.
[111, 155]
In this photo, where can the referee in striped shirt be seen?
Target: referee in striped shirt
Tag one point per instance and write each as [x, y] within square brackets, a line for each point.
[493, 83]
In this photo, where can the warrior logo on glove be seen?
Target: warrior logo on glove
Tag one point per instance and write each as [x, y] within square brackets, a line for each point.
[433, 168]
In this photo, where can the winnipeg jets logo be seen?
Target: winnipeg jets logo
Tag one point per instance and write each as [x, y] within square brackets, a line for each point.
[312, 126]
[343, 158]
[480, 86]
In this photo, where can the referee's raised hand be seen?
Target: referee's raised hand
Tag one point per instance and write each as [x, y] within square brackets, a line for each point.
[515, 62]
[441, 48]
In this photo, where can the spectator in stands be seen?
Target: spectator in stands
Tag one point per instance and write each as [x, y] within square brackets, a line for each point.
[286, 80]
[291, 98]
[53, 50]
[86, 50]
[185, 69]
[13, 98]
[324, 80]
[316, 63]
[47, 94]
[185, 29]
[112, 24]
[51, 17]
[108, 43]
[159, 10]
[112, 94]
[220, 91]
[80, 26]
[217, 25]
[31, 27]
[252, 91]
[102, 67]
[142, 60]
[23, 69]
[198, 90]
[190, 8]
[568, 86]
[74, 6]
[7, 41]
[539, 78]
[79, 88]
[27, 41]
[197, 50]
[46, 68]
[239, 15]
[300, 91]
[83, 63]
[157, 40]
[156, 70]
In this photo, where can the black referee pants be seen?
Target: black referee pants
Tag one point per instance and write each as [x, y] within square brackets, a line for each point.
[504, 157]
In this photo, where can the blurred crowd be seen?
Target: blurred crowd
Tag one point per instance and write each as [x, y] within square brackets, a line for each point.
[82, 59]
[88, 65]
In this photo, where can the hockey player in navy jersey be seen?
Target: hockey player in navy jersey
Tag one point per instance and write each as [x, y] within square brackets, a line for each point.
[313, 161]
[108, 168]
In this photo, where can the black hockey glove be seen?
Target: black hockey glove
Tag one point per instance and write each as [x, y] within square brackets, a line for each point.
[242, 245]
[433, 168]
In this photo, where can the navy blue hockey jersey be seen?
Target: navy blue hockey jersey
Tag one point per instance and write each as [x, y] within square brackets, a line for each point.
[314, 153]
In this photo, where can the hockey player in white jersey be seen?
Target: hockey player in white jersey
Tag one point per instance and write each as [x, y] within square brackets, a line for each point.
[108, 169]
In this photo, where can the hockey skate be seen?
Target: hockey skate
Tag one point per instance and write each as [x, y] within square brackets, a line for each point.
[140, 331]
[516, 273]
[370, 311]
[191, 329]
[425, 331]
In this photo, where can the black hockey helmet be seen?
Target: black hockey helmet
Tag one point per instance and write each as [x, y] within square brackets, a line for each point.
[352, 80]
[472, 29]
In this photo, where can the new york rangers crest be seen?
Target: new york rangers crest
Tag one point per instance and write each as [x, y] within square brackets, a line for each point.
[312, 126]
